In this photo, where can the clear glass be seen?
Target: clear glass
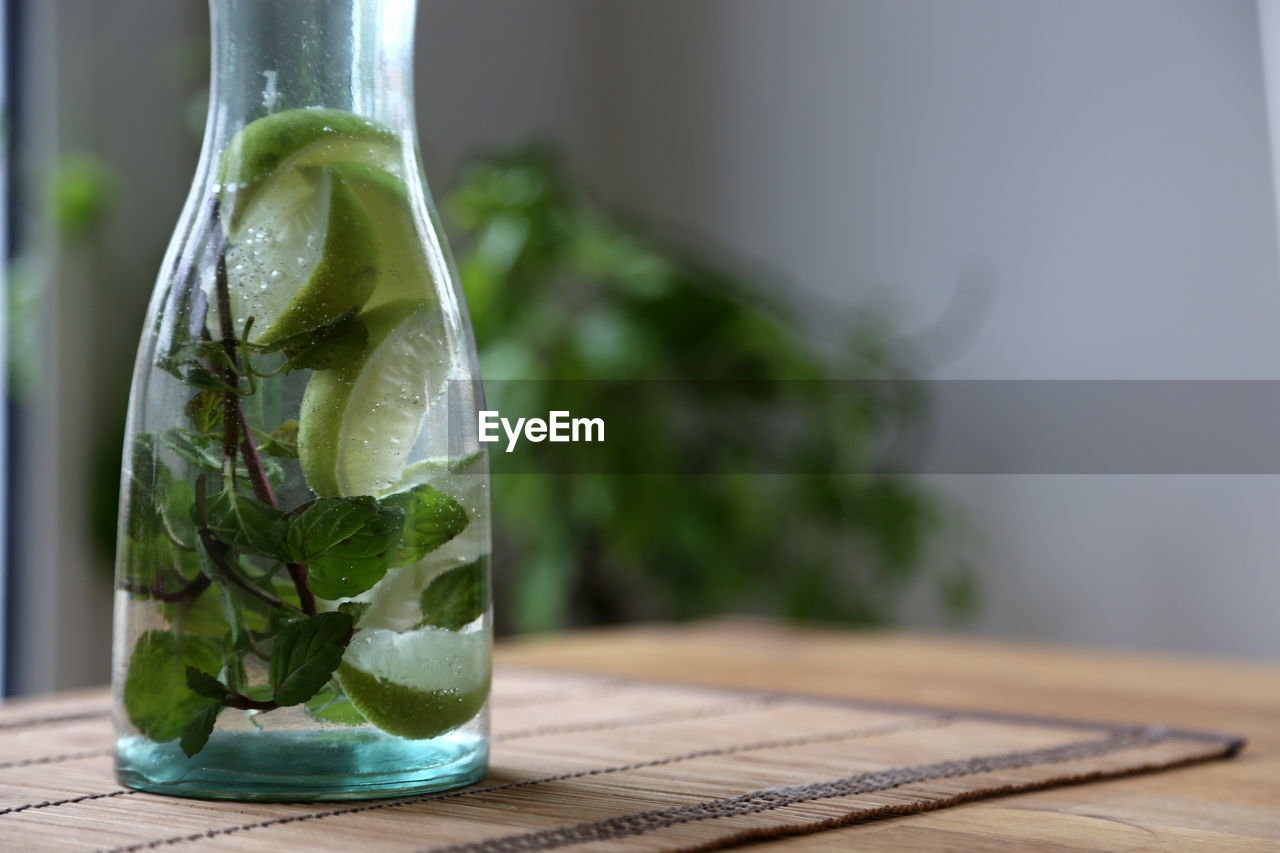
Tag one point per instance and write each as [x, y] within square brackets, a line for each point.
[302, 577]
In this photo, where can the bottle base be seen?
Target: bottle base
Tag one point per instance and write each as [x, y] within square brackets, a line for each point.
[285, 766]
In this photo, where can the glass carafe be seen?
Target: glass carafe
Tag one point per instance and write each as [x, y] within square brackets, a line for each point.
[302, 576]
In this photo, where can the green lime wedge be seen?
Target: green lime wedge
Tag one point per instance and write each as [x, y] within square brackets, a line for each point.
[394, 602]
[302, 255]
[357, 423]
[404, 271]
[274, 144]
[417, 684]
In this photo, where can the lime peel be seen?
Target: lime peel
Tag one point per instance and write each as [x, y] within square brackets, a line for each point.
[357, 423]
[342, 279]
[283, 139]
[418, 684]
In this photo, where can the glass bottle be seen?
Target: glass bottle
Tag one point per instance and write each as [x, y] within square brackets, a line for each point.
[302, 602]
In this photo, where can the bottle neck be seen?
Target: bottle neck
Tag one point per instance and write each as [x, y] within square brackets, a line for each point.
[276, 55]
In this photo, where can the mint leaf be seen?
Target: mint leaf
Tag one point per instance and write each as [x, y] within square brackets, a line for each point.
[204, 616]
[332, 705]
[233, 670]
[354, 609]
[334, 344]
[283, 441]
[305, 655]
[144, 552]
[202, 378]
[457, 597]
[205, 413]
[176, 498]
[156, 697]
[431, 518]
[143, 466]
[316, 526]
[194, 449]
[195, 734]
[204, 684]
[246, 524]
[204, 453]
[345, 543]
[211, 563]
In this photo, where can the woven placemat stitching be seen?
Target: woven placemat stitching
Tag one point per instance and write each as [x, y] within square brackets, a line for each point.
[643, 719]
[69, 717]
[82, 798]
[768, 799]
[54, 759]
[781, 743]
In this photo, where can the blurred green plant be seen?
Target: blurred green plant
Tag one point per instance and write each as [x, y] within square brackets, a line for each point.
[78, 194]
[559, 289]
[81, 191]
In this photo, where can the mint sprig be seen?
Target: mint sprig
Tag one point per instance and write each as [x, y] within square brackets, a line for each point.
[261, 642]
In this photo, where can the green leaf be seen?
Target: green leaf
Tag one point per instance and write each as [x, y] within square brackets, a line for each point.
[177, 497]
[332, 345]
[205, 413]
[332, 705]
[204, 616]
[233, 660]
[143, 532]
[457, 597]
[431, 518]
[205, 453]
[195, 734]
[144, 466]
[283, 441]
[305, 655]
[194, 449]
[354, 609]
[273, 469]
[156, 697]
[246, 524]
[211, 564]
[204, 684]
[203, 379]
[172, 365]
[345, 543]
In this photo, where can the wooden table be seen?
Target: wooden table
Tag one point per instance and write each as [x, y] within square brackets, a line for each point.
[1230, 805]
[624, 745]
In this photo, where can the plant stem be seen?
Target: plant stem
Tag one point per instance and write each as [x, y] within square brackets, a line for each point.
[217, 552]
[243, 703]
[231, 399]
[298, 574]
[235, 426]
[190, 590]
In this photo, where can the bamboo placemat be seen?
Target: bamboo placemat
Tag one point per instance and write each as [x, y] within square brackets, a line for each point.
[589, 763]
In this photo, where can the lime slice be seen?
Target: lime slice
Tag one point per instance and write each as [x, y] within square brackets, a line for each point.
[302, 255]
[417, 684]
[278, 143]
[357, 423]
[394, 602]
[404, 271]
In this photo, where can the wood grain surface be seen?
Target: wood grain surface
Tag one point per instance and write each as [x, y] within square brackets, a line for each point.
[1232, 805]
[677, 738]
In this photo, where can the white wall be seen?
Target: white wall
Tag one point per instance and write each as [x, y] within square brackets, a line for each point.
[1101, 167]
